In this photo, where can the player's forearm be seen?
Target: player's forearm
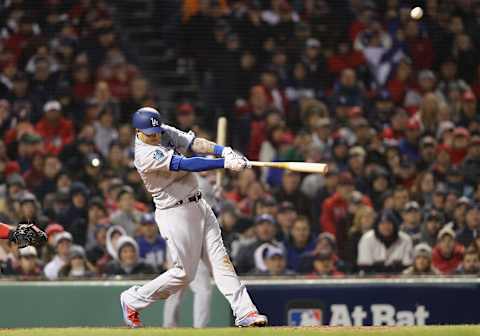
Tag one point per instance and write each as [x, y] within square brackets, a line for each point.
[195, 164]
[204, 146]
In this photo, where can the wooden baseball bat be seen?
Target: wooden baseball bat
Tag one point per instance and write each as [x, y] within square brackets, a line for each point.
[221, 140]
[302, 167]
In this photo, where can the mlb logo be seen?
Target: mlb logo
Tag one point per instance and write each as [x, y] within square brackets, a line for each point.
[305, 317]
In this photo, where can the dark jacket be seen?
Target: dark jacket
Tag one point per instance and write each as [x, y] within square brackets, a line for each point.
[115, 268]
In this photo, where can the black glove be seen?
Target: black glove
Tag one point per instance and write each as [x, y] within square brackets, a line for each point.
[27, 234]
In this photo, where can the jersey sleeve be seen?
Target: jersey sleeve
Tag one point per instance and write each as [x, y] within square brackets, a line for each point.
[181, 140]
[153, 159]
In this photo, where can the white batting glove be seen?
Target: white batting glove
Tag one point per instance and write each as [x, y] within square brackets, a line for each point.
[236, 162]
[227, 151]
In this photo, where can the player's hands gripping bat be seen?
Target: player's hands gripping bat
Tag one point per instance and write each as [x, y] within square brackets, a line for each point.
[236, 162]
[28, 234]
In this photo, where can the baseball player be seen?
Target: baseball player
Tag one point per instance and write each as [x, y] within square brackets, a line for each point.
[25, 234]
[186, 221]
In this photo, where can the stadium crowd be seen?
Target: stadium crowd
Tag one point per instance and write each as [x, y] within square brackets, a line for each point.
[390, 103]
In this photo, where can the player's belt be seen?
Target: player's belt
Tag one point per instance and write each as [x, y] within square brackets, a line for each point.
[194, 198]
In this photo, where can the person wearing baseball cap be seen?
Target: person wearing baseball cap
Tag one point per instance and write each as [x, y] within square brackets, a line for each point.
[460, 144]
[422, 261]
[28, 264]
[49, 250]
[412, 218]
[275, 261]
[152, 247]
[447, 254]
[324, 265]
[63, 244]
[433, 222]
[469, 111]
[55, 129]
[471, 228]
[265, 231]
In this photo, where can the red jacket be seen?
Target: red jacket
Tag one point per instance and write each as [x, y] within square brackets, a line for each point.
[334, 212]
[457, 155]
[338, 62]
[421, 51]
[56, 136]
[447, 266]
[258, 131]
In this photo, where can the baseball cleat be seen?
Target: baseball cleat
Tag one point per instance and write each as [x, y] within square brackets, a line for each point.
[252, 319]
[131, 317]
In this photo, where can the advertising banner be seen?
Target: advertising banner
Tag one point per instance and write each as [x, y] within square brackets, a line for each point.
[368, 302]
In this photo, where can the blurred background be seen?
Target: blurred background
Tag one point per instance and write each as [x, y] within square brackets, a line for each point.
[388, 101]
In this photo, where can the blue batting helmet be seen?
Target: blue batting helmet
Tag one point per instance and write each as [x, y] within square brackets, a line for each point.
[148, 120]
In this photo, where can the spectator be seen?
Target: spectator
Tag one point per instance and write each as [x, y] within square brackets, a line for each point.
[363, 221]
[105, 132]
[75, 217]
[471, 229]
[447, 254]
[57, 131]
[152, 247]
[98, 248]
[265, 230]
[325, 244]
[290, 191]
[285, 218]
[422, 261]
[471, 164]
[49, 249]
[324, 266]
[113, 234]
[431, 226]
[126, 216]
[128, 261]
[335, 210]
[412, 218]
[246, 236]
[300, 242]
[315, 63]
[385, 249]
[28, 264]
[275, 263]
[77, 267]
[470, 263]
[63, 245]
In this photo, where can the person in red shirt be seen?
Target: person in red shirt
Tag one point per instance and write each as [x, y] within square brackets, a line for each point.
[459, 148]
[420, 48]
[324, 266]
[56, 130]
[401, 82]
[335, 210]
[447, 254]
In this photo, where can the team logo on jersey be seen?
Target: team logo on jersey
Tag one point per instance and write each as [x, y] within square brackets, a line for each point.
[154, 122]
[158, 155]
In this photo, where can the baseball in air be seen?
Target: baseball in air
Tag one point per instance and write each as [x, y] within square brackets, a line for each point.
[416, 13]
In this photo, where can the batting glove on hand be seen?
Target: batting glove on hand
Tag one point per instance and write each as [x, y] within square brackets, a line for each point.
[227, 151]
[236, 162]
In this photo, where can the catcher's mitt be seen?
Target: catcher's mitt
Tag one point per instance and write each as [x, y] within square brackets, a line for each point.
[28, 234]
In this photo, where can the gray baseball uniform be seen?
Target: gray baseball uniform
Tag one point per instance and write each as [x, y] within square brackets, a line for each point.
[200, 286]
[191, 230]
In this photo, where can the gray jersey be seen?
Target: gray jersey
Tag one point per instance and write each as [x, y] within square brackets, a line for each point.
[153, 164]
